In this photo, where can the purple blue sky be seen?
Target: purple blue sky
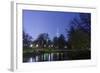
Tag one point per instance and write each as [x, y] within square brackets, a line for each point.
[37, 22]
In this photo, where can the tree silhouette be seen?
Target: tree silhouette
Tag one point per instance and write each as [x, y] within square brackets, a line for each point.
[55, 42]
[83, 22]
[42, 40]
[27, 40]
[61, 41]
[80, 31]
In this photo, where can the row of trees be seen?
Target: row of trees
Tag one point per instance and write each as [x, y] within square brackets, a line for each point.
[43, 40]
[79, 35]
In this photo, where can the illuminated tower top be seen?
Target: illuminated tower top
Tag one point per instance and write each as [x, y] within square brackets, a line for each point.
[57, 33]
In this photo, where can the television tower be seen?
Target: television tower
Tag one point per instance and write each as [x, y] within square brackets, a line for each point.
[57, 33]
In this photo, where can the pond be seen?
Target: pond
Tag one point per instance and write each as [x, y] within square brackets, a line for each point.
[45, 57]
[56, 56]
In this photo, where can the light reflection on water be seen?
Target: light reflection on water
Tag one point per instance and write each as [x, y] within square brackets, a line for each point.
[46, 57]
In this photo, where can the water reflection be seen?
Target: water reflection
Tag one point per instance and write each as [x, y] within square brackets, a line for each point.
[46, 57]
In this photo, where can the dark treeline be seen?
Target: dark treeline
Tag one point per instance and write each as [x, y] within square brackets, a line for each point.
[43, 41]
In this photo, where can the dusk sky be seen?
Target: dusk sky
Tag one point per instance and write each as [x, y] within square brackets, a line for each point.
[51, 22]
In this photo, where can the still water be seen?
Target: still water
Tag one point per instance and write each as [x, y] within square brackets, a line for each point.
[45, 57]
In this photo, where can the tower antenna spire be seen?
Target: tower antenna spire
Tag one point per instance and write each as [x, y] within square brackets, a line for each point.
[57, 31]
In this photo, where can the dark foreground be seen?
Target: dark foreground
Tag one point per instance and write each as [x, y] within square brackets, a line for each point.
[56, 56]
